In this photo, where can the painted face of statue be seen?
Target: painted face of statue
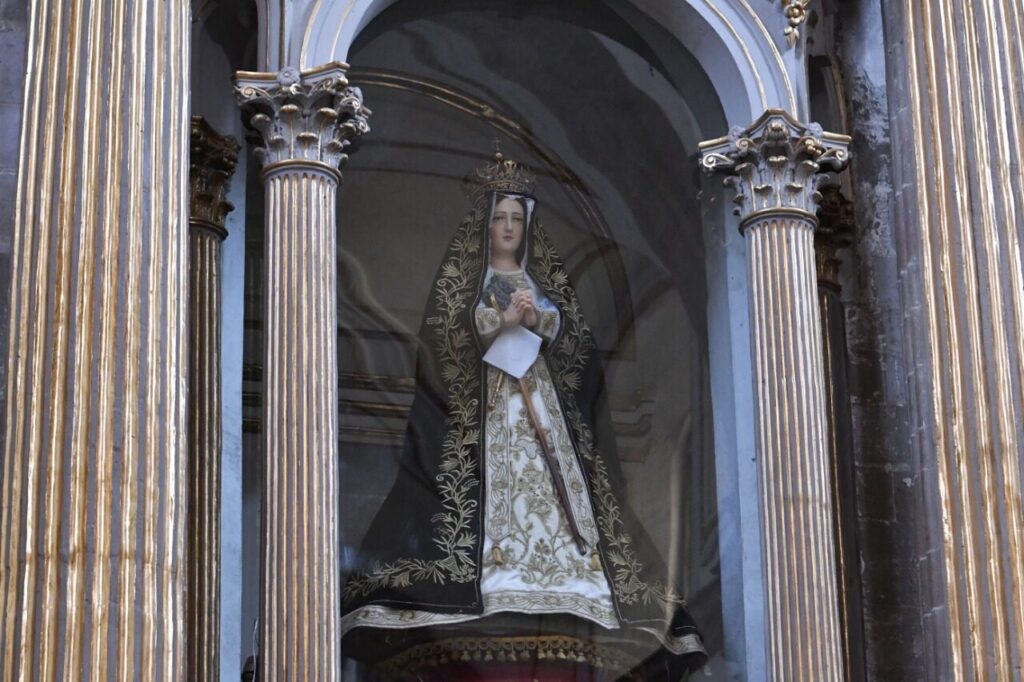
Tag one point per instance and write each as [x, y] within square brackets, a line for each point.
[506, 230]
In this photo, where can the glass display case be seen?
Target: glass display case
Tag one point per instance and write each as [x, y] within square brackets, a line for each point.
[561, 506]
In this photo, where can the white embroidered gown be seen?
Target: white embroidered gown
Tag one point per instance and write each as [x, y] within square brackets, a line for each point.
[531, 563]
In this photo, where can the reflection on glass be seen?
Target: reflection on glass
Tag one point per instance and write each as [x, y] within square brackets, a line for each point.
[507, 518]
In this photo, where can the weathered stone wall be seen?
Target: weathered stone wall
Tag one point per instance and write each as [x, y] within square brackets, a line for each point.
[887, 477]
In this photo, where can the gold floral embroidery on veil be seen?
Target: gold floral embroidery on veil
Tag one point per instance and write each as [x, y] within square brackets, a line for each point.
[460, 369]
[457, 478]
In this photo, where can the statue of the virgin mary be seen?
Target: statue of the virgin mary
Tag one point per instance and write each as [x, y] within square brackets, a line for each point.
[509, 498]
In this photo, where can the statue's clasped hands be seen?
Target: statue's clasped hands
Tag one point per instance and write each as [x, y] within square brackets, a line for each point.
[521, 309]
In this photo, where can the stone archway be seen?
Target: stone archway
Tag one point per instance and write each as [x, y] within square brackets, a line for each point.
[751, 71]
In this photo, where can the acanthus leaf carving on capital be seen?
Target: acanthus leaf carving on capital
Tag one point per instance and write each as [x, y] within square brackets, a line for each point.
[312, 115]
[212, 160]
[776, 163]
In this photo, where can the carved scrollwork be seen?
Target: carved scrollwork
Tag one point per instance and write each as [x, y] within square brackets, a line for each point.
[776, 163]
[311, 115]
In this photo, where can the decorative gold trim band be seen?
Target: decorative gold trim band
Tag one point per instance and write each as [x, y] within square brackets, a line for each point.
[206, 226]
[299, 165]
[271, 77]
[780, 213]
[523, 650]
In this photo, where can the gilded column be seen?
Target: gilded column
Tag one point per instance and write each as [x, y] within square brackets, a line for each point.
[306, 121]
[211, 164]
[958, 108]
[92, 491]
[774, 167]
[835, 231]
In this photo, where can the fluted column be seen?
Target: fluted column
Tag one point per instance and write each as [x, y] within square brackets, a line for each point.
[306, 121]
[957, 71]
[773, 166]
[835, 230]
[92, 507]
[211, 163]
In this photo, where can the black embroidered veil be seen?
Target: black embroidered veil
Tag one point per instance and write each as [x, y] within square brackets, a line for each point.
[424, 547]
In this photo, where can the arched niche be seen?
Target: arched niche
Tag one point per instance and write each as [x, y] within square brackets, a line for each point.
[737, 51]
[702, 84]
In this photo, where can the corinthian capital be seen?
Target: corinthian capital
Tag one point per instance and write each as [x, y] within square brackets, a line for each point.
[212, 159]
[776, 164]
[303, 116]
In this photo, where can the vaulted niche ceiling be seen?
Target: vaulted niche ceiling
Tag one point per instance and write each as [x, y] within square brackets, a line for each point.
[606, 105]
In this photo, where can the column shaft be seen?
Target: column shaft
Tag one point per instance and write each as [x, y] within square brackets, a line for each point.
[791, 434]
[204, 450]
[211, 162]
[92, 513]
[300, 601]
[834, 233]
[958, 70]
[776, 166]
[307, 120]
[841, 481]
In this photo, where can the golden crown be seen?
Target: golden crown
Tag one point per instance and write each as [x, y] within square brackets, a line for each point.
[503, 175]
